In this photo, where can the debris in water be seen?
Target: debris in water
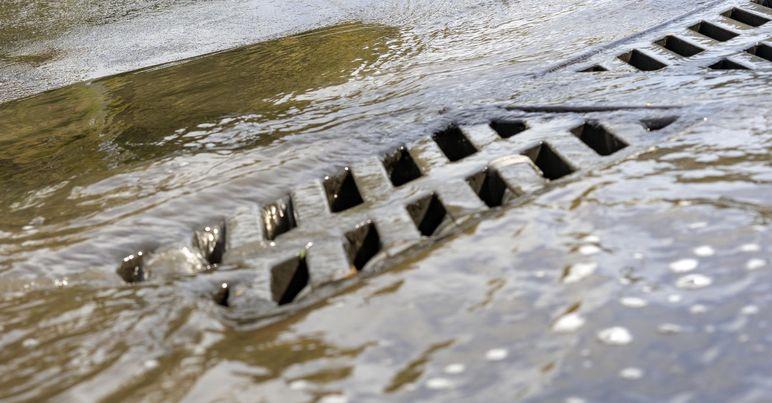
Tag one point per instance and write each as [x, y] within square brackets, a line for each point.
[704, 251]
[579, 271]
[568, 323]
[615, 336]
[683, 265]
[694, 281]
[496, 354]
[631, 373]
[633, 302]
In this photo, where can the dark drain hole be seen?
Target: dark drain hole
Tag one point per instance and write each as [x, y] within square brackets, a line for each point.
[726, 64]
[401, 167]
[489, 186]
[598, 138]
[761, 50]
[746, 17]
[428, 214]
[552, 165]
[679, 46]
[454, 144]
[713, 31]
[508, 128]
[279, 218]
[342, 191]
[210, 240]
[765, 3]
[641, 61]
[222, 295]
[288, 279]
[362, 243]
[132, 268]
[593, 69]
[655, 124]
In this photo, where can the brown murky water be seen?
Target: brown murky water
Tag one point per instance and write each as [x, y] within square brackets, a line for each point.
[644, 281]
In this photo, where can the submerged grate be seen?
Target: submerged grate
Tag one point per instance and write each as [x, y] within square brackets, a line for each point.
[489, 187]
[428, 214]
[454, 143]
[289, 279]
[656, 124]
[745, 17]
[641, 61]
[713, 31]
[278, 218]
[593, 69]
[761, 50]
[342, 191]
[507, 128]
[726, 64]
[552, 165]
[401, 167]
[210, 241]
[679, 46]
[362, 244]
[598, 138]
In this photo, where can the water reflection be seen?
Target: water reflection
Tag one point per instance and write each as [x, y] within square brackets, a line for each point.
[77, 135]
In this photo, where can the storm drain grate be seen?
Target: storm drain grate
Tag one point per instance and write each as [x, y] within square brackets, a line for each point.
[761, 50]
[428, 214]
[489, 187]
[745, 17]
[363, 243]
[508, 128]
[679, 46]
[726, 64]
[278, 218]
[454, 143]
[641, 61]
[713, 31]
[401, 167]
[598, 138]
[342, 191]
[551, 164]
[288, 279]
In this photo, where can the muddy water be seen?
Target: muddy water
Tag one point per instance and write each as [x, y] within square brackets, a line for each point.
[647, 280]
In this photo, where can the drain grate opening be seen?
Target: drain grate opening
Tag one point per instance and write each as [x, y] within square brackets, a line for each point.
[222, 295]
[132, 268]
[594, 68]
[679, 46]
[598, 138]
[288, 279]
[655, 124]
[508, 128]
[761, 50]
[641, 61]
[401, 167]
[210, 241]
[552, 165]
[489, 187]
[726, 64]
[342, 191]
[745, 17]
[428, 214]
[279, 218]
[454, 144]
[362, 244]
[765, 3]
[713, 31]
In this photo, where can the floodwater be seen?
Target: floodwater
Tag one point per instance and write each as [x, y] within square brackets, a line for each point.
[648, 280]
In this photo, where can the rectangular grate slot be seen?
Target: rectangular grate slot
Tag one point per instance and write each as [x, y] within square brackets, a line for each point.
[489, 187]
[745, 17]
[278, 218]
[288, 279]
[598, 138]
[454, 144]
[210, 241]
[655, 124]
[401, 167]
[132, 268]
[593, 69]
[552, 165]
[428, 214]
[713, 31]
[362, 244]
[761, 50]
[679, 46]
[765, 3]
[342, 191]
[641, 61]
[507, 128]
[726, 64]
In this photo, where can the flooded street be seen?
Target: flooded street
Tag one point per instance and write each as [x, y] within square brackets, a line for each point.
[642, 278]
